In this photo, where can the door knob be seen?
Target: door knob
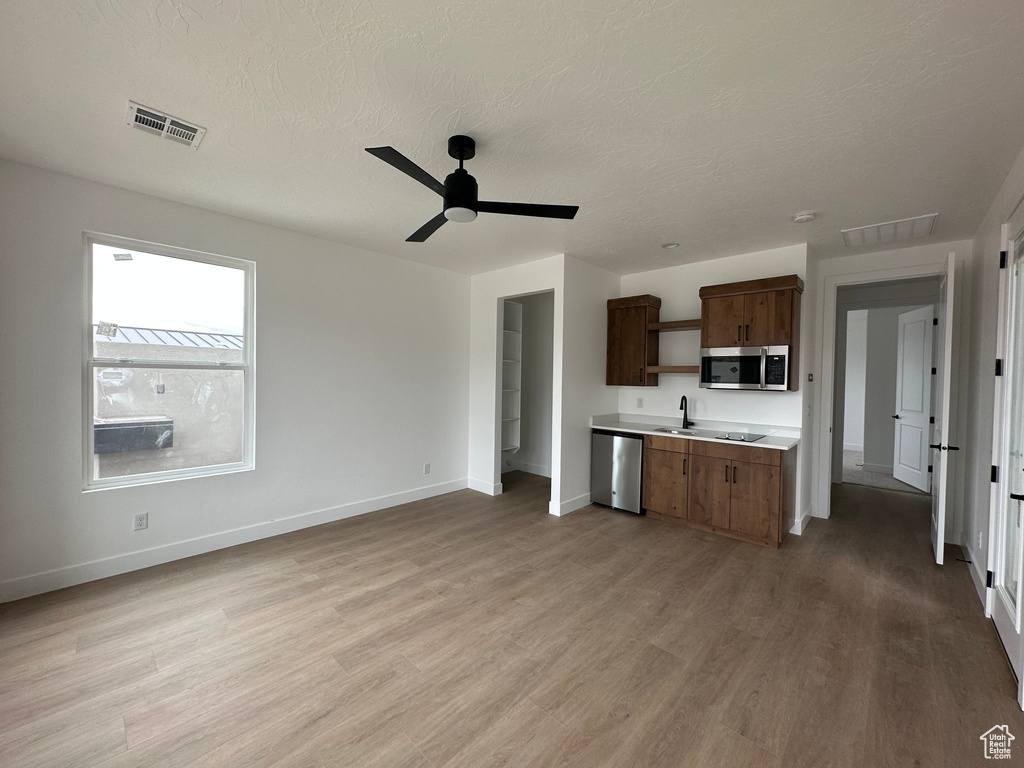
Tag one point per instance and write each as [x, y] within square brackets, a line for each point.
[937, 447]
[896, 416]
[1017, 496]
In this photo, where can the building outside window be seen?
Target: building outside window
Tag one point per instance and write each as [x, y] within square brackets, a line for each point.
[168, 363]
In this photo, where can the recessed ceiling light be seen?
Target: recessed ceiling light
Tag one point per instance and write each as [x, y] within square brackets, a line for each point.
[670, 246]
[804, 217]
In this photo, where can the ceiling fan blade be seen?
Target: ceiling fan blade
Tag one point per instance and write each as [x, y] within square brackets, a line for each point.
[392, 156]
[528, 209]
[427, 229]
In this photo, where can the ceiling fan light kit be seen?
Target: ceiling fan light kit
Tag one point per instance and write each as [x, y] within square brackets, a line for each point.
[460, 191]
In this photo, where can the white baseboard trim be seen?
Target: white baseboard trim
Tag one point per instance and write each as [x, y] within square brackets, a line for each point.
[69, 576]
[800, 524]
[534, 469]
[491, 489]
[978, 578]
[882, 468]
[565, 507]
[852, 447]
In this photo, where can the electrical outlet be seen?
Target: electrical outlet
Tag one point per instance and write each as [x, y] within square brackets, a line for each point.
[426, 468]
[141, 521]
[639, 402]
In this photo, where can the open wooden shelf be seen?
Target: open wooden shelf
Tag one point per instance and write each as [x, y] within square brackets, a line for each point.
[675, 325]
[673, 368]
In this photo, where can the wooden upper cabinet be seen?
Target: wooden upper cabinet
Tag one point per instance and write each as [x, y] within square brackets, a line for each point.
[758, 318]
[754, 313]
[632, 348]
[721, 321]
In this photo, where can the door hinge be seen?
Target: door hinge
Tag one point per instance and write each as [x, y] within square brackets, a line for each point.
[935, 321]
[999, 367]
[931, 419]
[933, 371]
[1002, 259]
[990, 579]
[995, 474]
[929, 467]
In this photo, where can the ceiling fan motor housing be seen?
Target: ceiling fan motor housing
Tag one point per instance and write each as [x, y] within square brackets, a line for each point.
[460, 197]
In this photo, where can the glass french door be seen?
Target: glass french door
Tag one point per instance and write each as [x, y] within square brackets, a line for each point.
[1009, 506]
[1010, 566]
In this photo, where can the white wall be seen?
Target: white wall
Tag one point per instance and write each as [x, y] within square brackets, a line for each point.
[536, 389]
[583, 392]
[856, 358]
[361, 378]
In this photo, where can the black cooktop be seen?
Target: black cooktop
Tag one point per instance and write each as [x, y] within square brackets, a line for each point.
[740, 437]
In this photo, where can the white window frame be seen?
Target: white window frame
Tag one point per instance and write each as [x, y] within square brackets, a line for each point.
[90, 363]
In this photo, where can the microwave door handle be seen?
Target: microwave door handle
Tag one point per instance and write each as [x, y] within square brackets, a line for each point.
[764, 366]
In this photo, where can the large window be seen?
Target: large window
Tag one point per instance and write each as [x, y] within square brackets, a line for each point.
[168, 371]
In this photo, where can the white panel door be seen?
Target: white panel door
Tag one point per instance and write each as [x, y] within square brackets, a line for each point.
[944, 397]
[913, 398]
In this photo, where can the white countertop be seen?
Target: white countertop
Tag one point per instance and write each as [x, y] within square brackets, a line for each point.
[780, 438]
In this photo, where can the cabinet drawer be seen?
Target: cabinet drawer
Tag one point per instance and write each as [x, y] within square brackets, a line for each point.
[723, 450]
[661, 443]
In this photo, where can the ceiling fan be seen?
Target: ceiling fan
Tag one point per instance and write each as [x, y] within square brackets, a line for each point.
[460, 190]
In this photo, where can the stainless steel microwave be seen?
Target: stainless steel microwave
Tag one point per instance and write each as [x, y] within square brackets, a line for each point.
[745, 368]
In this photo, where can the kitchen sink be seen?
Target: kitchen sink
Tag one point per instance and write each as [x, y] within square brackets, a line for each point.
[676, 430]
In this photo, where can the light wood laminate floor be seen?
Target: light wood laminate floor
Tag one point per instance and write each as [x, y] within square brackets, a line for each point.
[474, 631]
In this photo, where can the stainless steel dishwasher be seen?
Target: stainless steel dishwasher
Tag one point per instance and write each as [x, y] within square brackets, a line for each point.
[615, 469]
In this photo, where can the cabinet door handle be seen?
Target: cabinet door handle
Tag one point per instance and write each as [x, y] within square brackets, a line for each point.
[747, 337]
[734, 474]
[739, 333]
[684, 467]
[727, 473]
[640, 375]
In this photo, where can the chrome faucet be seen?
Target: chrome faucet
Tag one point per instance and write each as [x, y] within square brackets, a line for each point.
[682, 407]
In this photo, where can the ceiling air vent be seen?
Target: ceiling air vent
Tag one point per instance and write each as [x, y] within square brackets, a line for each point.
[161, 124]
[904, 229]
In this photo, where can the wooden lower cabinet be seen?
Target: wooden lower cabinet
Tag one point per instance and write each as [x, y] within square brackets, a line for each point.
[745, 492]
[709, 491]
[754, 502]
[665, 483]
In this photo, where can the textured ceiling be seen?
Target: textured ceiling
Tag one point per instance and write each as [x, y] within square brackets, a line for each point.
[708, 123]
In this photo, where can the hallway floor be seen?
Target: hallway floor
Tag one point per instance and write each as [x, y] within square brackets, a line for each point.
[854, 473]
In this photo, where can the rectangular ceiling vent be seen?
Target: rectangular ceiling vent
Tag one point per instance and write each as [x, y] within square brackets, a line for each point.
[887, 232]
[161, 124]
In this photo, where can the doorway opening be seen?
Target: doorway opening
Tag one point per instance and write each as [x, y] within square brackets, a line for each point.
[883, 398]
[942, 444]
[527, 388]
